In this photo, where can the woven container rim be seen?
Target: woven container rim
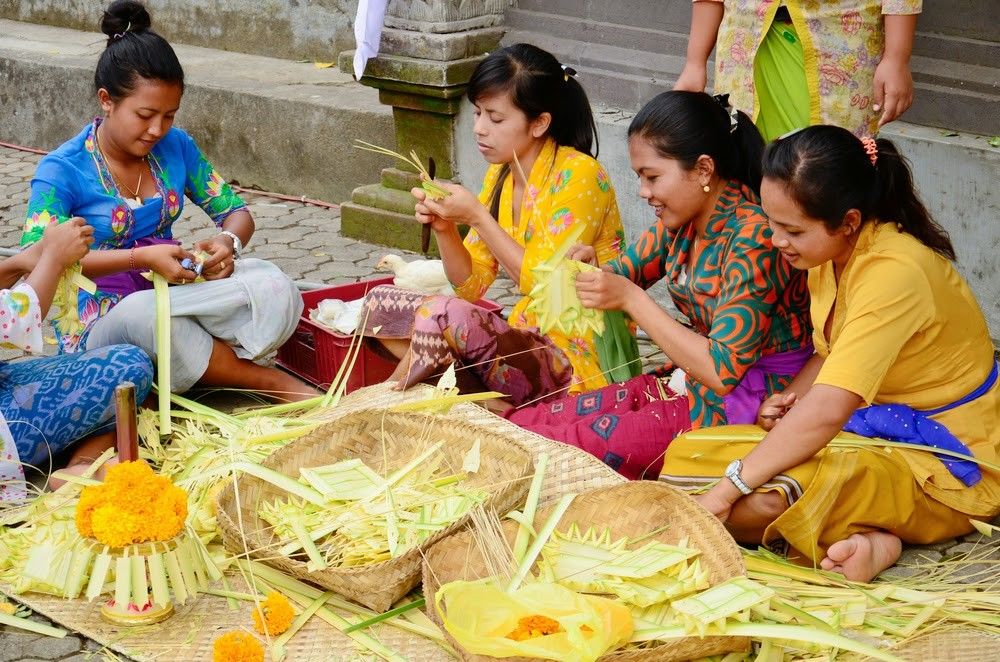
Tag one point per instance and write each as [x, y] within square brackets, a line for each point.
[375, 585]
[720, 555]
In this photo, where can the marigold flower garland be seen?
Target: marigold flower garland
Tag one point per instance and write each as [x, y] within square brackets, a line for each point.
[133, 505]
[237, 646]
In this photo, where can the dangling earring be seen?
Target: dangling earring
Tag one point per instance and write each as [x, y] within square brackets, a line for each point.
[705, 188]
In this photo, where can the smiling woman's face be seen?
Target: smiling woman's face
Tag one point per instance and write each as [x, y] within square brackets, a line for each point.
[675, 194]
[805, 242]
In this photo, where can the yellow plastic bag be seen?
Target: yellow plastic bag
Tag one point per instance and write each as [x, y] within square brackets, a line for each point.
[480, 616]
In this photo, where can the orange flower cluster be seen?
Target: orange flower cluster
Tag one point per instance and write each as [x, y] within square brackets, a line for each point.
[277, 615]
[133, 505]
[530, 627]
[237, 646]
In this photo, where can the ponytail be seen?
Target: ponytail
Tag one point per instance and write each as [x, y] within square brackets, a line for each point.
[897, 200]
[684, 125]
[828, 172]
[537, 84]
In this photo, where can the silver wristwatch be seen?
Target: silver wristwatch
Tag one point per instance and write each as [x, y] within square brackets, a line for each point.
[733, 474]
[237, 243]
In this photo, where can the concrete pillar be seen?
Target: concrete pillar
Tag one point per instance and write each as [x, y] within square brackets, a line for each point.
[428, 52]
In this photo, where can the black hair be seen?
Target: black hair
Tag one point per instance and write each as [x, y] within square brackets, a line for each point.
[684, 125]
[133, 51]
[537, 83]
[828, 172]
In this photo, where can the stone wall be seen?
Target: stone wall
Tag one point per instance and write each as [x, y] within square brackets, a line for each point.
[294, 29]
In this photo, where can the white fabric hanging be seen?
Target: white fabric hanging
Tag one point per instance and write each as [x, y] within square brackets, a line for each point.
[367, 32]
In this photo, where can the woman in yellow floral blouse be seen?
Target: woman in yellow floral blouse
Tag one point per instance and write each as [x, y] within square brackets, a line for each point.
[790, 64]
[535, 127]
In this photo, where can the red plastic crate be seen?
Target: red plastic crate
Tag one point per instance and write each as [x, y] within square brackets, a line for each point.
[315, 352]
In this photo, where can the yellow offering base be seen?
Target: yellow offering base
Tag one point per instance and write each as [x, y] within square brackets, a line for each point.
[132, 615]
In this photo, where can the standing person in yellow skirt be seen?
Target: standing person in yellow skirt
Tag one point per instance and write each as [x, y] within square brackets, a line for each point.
[792, 63]
[895, 328]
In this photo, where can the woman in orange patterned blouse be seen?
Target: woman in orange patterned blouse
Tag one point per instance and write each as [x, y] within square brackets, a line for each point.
[698, 163]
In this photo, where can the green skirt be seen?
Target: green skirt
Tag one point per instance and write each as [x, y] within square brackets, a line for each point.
[780, 80]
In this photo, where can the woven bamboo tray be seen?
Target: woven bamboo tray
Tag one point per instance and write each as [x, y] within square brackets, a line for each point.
[385, 441]
[631, 509]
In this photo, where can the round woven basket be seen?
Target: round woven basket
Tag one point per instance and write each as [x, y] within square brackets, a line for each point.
[385, 441]
[631, 509]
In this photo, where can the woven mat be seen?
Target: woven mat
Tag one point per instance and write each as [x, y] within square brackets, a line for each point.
[190, 632]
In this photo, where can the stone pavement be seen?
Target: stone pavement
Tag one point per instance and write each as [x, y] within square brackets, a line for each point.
[305, 242]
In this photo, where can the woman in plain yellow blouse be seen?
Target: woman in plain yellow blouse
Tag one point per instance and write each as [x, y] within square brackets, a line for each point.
[903, 353]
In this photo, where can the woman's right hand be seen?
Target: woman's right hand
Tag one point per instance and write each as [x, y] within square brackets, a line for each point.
[67, 242]
[774, 408]
[583, 253]
[426, 216]
[165, 259]
[459, 206]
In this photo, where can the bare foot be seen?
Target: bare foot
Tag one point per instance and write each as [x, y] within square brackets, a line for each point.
[863, 556]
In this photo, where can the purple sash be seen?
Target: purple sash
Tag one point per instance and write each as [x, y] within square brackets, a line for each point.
[743, 401]
[126, 282]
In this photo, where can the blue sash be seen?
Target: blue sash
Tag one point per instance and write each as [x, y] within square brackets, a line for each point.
[905, 424]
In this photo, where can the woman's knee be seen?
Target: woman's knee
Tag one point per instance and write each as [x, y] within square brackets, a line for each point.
[768, 506]
[133, 365]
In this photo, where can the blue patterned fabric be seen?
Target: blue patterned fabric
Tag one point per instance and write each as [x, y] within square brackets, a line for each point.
[905, 424]
[50, 403]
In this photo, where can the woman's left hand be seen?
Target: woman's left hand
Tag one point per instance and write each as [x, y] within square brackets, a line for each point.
[219, 263]
[604, 290]
[715, 504]
[893, 85]
[461, 206]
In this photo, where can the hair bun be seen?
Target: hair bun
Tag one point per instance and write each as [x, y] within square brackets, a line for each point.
[123, 16]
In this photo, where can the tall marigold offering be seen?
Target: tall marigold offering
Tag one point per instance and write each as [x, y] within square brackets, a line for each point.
[133, 505]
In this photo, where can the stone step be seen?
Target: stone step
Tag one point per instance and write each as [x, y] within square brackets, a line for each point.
[597, 33]
[957, 79]
[674, 15]
[275, 124]
[300, 29]
[955, 95]
[957, 48]
[611, 75]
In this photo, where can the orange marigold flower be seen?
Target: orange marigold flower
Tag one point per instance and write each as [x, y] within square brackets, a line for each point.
[237, 646]
[277, 615]
[536, 625]
[133, 505]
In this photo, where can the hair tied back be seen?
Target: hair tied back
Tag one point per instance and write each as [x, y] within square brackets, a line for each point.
[871, 149]
[567, 72]
[723, 100]
[118, 35]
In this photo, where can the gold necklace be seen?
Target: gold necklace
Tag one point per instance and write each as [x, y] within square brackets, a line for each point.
[137, 199]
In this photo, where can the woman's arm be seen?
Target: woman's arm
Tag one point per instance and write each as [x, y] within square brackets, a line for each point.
[62, 244]
[706, 17]
[893, 82]
[221, 248]
[687, 349]
[803, 432]
[466, 259]
[15, 267]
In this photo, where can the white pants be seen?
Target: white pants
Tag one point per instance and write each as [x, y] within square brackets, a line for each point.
[254, 311]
